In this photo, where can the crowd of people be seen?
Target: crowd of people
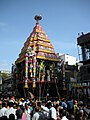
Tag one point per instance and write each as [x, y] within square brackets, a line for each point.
[30, 109]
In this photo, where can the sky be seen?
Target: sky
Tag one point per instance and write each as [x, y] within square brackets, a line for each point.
[62, 20]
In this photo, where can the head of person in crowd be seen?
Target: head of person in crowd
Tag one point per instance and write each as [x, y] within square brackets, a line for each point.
[70, 98]
[4, 104]
[75, 102]
[44, 102]
[38, 103]
[12, 99]
[27, 106]
[57, 107]
[27, 101]
[71, 117]
[82, 115]
[81, 112]
[49, 105]
[36, 109]
[64, 113]
[57, 102]
[11, 104]
[5, 99]
[4, 118]
[81, 105]
[19, 113]
[15, 105]
[11, 117]
[22, 99]
[22, 108]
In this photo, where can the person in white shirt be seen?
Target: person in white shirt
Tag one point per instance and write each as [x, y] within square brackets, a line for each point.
[64, 118]
[36, 114]
[19, 114]
[52, 111]
[45, 110]
[12, 99]
[64, 114]
[3, 109]
[11, 110]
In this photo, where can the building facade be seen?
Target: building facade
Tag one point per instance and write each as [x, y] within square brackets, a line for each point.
[70, 60]
[68, 74]
[7, 83]
[83, 42]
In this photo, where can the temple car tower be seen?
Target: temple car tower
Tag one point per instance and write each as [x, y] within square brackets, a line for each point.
[36, 65]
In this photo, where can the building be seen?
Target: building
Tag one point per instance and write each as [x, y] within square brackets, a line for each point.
[70, 60]
[36, 66]
[5, 71]
[8, 86]
[7, 83]
[68, 74]
[83, 42]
